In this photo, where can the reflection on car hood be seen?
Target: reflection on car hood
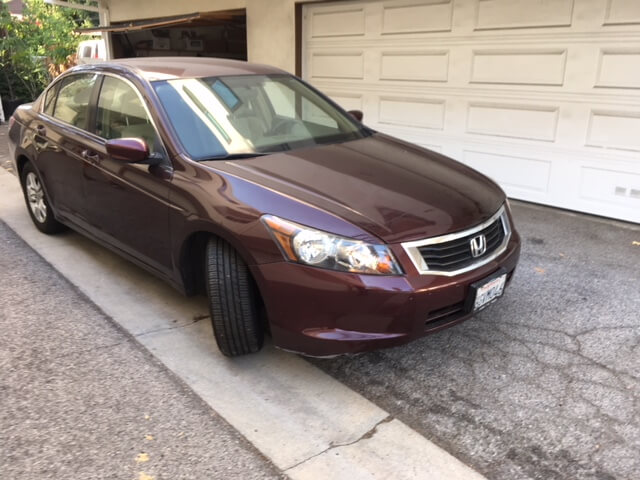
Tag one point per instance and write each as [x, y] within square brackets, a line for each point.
[392, 189]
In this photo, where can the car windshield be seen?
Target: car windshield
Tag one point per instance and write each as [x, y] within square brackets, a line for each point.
[246, 115]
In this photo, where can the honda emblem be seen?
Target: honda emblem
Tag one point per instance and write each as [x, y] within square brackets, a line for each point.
[478, 245]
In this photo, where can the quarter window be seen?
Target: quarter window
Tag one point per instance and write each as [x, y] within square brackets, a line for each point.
[121, 114]
[50, 98]
[72, 103]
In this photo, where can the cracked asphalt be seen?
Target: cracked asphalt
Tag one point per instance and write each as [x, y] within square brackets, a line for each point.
[545, 384]
[80, 398]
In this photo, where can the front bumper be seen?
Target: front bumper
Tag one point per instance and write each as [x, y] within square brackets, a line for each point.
[321, 312]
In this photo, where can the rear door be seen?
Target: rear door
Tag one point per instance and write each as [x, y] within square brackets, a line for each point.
[127, 204]
[60, 139]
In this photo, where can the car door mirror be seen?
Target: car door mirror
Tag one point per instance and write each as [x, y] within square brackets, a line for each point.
[357, 114]
[128, 150]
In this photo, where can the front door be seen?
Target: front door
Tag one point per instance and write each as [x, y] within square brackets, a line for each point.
[127, 204]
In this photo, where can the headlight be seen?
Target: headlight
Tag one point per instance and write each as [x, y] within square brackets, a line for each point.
[321, 249]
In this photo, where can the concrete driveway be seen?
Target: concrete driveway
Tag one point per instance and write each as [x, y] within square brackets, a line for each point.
[4, 149]
[542, 385]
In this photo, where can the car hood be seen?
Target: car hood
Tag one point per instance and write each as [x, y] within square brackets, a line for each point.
[392, 189]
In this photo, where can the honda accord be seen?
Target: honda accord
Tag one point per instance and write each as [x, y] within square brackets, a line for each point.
[246, 184]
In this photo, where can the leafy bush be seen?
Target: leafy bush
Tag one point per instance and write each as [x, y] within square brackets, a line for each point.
[37, 47]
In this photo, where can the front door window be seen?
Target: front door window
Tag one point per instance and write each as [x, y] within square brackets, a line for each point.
[121, 114]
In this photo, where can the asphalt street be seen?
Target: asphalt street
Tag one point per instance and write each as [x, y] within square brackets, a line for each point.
[542, 385]
[80, 398]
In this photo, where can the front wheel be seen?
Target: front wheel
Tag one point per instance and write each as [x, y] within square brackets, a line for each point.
[233, 300]
[37, 204]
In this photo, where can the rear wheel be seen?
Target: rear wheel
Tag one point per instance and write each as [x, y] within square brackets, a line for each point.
[233, 300]
[37, 203]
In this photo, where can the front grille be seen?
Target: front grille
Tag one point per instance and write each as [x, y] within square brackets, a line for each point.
[456, 254]
[451, 254]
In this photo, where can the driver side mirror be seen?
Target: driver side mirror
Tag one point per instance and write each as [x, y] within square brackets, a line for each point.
[128, 150]
[357, 114]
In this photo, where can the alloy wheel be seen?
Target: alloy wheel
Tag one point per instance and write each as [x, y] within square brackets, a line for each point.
[35, 195]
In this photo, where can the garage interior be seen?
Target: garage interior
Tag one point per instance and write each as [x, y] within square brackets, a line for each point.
[210, 34]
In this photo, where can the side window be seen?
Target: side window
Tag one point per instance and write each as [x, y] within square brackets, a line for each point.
[49, 99]
[72, 104]
[121, 114]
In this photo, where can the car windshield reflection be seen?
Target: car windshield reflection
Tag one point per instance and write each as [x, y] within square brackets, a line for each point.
[236, 116]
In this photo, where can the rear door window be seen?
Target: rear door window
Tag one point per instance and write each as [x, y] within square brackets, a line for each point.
[72, 103]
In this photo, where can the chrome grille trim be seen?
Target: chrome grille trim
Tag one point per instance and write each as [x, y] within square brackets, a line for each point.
[412, 248]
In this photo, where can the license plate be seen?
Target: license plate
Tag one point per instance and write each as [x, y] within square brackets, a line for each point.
[487, 291]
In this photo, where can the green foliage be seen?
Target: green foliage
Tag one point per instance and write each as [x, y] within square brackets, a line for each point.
[33, 48]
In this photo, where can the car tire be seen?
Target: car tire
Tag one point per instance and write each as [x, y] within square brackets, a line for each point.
[233, 300]
[37, 203]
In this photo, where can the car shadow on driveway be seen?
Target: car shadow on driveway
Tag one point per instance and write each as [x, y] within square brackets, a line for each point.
[543, 384]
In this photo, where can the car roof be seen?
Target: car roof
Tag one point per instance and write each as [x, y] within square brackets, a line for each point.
[165, 68]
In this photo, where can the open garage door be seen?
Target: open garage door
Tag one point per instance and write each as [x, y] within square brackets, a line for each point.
[541, 95]
[210, 34]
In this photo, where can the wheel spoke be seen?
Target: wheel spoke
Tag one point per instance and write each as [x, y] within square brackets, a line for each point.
[41, 212]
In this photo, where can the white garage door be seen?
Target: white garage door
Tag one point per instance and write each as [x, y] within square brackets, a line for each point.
[541, 95]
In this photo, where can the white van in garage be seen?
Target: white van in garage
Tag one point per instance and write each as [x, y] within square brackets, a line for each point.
[91, 51]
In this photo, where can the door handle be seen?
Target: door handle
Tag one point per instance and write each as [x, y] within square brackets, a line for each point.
[39, 138]
[93, 157]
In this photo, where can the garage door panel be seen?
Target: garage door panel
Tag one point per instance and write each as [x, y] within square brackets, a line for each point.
[348, 101]
[519, 66]
[416, 16]
[615, 129]
[340, 65]
[420, 66]
[565, 124]
[337, 21]
[619, 68]
[585, 68]
[518, 121]
[503, 14]
[411, 112]
[508, 170]
[622, 12]
[538, 94]
[610, 186]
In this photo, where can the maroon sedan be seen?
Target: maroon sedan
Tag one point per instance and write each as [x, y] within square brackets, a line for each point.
[244, 182]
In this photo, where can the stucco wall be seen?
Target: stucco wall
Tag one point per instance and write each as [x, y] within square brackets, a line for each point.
[121, 10]
[270, 23]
